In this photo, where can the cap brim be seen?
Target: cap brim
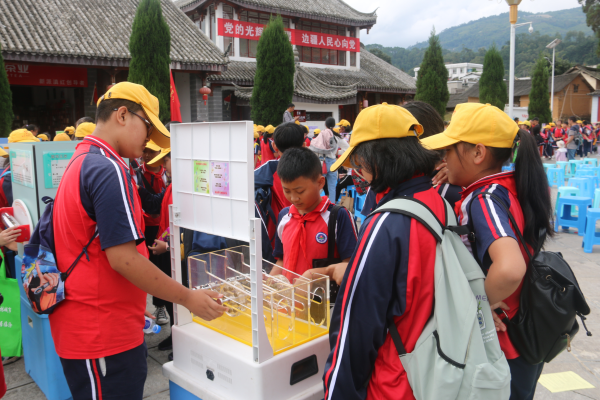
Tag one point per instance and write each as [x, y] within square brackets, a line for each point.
[3, 153]
[158, 158]
[160, 135]
[344, 160]
[439, 141]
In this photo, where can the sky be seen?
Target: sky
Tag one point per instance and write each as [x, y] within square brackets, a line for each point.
[404, 23]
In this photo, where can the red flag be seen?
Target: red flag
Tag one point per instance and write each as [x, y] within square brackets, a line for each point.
[94, 96]
[175, 105]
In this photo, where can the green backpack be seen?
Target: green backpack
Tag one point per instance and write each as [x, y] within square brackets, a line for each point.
[457, 356]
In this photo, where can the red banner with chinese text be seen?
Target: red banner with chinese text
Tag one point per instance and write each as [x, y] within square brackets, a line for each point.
[45, 75]
[253, 31]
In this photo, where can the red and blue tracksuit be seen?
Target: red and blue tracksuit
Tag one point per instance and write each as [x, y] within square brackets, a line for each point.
[390, 275]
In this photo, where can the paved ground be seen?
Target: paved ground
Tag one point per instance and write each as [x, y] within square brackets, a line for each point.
[584, 359]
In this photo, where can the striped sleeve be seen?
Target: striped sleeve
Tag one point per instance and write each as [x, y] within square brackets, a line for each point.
[373, 288]
[108, 197]
[490, 220]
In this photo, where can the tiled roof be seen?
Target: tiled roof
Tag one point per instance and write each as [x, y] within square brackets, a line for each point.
[593, 71]
[95, 32]
[375, 75]
[308, 87]
[523, 87]
[325, 10]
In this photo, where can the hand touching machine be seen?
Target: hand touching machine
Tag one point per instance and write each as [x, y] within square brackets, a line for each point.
[273, 341]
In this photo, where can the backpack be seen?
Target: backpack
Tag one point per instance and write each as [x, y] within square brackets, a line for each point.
[44, 284]
[457, 356]
[550, 300]
[264, 211]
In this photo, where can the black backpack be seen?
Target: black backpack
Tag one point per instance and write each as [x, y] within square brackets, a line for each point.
[550, 301]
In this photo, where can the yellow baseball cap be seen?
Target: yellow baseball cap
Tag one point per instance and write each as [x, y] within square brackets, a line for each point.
[152, 146]
[343, 123]
[297, 122]
[69, 130]
[270, 129]
[579, 121]
[476, 123]
[42, 137]
[3, 153]
[84, 129]
[382, 121]
[552, 124]
[22, 136]
[336, 130]
[62, 137]
[260, 128]
[140, 95]
[317, 131]
[158, 159]
[527, 123]
[256, 135]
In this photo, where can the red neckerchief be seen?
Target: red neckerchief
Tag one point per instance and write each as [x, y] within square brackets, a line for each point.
[299, 234]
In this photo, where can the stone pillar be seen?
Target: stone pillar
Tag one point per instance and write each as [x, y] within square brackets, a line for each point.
[215, 104]
[218, 16]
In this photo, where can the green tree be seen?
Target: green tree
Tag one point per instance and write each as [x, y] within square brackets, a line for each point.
[591, 8]
[539, 97]
[150, 48]
[432, 82]
[274, 78]
[382, 54]
[492, 88]
[6, 108]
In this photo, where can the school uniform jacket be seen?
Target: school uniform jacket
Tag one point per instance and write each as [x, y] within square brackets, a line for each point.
[266, 177]
[390, 275]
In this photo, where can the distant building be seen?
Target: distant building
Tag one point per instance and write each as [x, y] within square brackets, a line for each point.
[571, 92]
[458, 71]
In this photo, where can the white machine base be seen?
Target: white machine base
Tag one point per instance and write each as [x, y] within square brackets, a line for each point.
[200, 354]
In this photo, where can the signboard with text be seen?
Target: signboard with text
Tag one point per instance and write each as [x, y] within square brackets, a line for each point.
[301, 114]
[253, 31]
[45, 75]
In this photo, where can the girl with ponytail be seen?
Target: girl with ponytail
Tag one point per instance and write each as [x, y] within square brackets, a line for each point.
[479, 140]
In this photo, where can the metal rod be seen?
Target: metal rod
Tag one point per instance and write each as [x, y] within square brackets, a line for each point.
[511, 79]
[552, 91]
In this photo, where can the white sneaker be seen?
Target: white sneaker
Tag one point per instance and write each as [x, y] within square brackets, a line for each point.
[162, 318]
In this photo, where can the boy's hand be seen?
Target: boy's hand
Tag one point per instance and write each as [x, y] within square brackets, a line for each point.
[159, 247]
[9, 235]
[205, 304]
[335, 272]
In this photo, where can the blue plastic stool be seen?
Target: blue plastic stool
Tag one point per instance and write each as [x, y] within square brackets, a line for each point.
[564, 217]
[596, 198]
[546, 166]
[567, 191]
[556, 177]
[563, 165]
[574, 164]
[586, 185]
[591, 237]
[584, 172]
[591, 161]
[359, 202]
[348, 191]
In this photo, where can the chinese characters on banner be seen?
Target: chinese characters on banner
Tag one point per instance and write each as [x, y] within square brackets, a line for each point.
[301, 114]
[44, 75]
[252, 31]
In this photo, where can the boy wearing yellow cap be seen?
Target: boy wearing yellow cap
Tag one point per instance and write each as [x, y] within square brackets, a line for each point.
[97, 199]
[495, 206]
[390, 276]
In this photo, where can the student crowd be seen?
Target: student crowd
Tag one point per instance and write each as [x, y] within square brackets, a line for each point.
[564, 140]
[385, 270]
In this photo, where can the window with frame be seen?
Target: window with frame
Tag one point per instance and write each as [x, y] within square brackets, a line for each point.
[318, 115]
[248, 47]
[317, 55]
[228, 14]
[575, 88]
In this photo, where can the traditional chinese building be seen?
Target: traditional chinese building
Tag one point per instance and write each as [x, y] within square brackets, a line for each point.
[55, 53]
[335, 76]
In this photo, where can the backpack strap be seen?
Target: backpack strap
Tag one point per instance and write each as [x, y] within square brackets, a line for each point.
[331, 227]
[419, 211]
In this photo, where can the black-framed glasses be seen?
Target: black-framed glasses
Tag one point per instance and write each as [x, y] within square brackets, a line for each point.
[148, 123]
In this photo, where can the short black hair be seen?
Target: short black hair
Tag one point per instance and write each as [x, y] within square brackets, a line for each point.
[427, 116]
[330, 123]
[299, 162]
[82, 120]
[393, 161]
[288, 135]
[291, 105]
[573, 118]
[31, 127]
[536, 119]
[106, 108]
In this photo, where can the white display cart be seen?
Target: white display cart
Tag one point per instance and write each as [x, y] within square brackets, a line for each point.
[213, 187]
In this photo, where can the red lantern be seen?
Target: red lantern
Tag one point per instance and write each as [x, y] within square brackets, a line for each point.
[205, 92]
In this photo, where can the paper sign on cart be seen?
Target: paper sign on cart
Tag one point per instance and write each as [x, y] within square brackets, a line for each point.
[201, 177]
[219, 178]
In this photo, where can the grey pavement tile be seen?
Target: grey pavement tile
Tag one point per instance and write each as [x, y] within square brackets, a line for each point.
[28, 392]
[156, 382]
[159, 396]
[15, 374]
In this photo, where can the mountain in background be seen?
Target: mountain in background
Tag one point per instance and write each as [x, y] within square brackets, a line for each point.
[468, 42]
[496, 29]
